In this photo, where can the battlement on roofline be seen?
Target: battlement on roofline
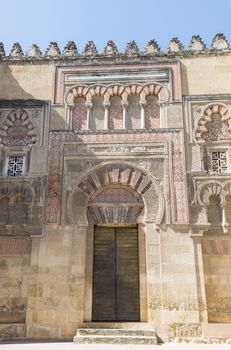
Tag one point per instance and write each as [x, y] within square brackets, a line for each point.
[219, 45]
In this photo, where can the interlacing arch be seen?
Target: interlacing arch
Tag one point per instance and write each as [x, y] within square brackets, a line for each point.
[221, 128]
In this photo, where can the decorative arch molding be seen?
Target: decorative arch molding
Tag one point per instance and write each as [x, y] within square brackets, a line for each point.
[213, 188]
[18, 129]
[227, 188]
[88, 92]
[16, 206]
[13, 191]
[108, 175]
[115, 90]
[207, 114]
[208, 189]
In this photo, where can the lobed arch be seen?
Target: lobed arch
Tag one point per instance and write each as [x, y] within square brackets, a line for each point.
[226, 186]
[213, 188]
[207, 114]
[18, 129]
[107, 91]
[110, 174]
[13, 191]
[208, 189]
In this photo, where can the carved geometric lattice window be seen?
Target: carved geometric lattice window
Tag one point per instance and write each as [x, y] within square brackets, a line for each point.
[219, 162]
[16, 165]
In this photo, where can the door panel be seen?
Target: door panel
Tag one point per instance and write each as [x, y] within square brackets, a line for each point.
[116, 274]
[104, 275]
[127, 274]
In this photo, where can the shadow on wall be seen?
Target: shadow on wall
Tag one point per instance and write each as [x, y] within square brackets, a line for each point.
[9, 86]
[58, 119]
[10, 89]
[184, 80]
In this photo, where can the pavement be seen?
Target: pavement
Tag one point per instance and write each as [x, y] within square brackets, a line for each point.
[72, 346]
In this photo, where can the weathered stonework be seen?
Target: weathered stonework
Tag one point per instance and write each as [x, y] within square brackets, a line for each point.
[138, 140]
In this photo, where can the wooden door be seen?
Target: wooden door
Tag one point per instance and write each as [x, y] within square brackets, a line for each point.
[116, 274]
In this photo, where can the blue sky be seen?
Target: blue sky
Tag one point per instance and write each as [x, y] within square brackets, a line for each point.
[42, 21]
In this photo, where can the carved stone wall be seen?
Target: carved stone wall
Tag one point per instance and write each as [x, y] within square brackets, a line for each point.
[217, 259]
[100, 107]
[124, 148]
[15, 264]
[166, 176]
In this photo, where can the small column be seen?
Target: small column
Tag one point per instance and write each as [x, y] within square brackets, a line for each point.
[143, 103]
[89, 106]
[163, 117]
[225, 224]
[106, 104]
[68, 114]
[125, 104]
[69, 105]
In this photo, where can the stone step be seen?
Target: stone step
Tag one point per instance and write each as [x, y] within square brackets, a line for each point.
[114, 340]
[119, 325]
[116, 332]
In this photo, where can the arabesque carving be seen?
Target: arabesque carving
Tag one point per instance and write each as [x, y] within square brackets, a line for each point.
[214, 125]
[18, 129]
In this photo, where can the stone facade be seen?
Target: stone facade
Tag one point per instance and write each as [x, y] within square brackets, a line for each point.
[116, 139]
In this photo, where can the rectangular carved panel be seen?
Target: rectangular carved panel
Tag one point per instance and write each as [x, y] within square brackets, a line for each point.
[216, 246]
[15, 246]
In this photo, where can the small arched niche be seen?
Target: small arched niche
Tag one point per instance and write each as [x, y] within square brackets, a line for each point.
[4, 209]
[215, 215]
